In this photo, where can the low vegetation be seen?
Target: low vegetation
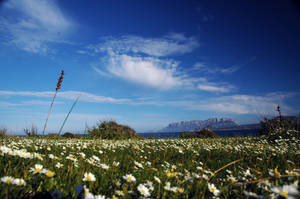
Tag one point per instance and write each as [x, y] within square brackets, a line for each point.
[245, 167]
[3, 132]
[112, 163]
[70, 135]
[112, 130]
[31, 132]
[203, 133]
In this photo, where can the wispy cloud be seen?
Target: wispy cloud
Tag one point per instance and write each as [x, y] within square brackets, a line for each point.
[200, 66]
[232, 104]
[27, 103]
[171, 44]
[207, 68]
[242, 104]
[146, 61]
[225, 88]
[100, 72]
[84, 96]
[35, 24]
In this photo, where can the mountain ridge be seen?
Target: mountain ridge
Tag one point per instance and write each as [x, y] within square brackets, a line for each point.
[194, 125]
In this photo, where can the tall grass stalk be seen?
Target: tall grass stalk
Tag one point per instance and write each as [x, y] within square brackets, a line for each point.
[68, 115]
[58, 85]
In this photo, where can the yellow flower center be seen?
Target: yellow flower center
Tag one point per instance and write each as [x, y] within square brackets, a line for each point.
[129, 178]
[284, 194]
[89, 178]
[50, 173]
[37, 170]
[8, 181]
[169, 174]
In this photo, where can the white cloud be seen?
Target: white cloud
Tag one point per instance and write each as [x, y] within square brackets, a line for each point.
[4, 104]
[100, 72]
[35, 24]
[142, 61]
[157, 73]
[148, 71]
[200, 66]
[241, 104]
[215, 88]
[171, 44]
[84, 96]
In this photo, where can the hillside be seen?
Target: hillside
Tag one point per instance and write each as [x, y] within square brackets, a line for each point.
[212, 123]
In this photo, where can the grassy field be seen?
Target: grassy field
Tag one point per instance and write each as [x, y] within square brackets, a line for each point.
[247, 167]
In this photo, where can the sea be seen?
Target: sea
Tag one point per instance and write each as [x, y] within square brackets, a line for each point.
[221, 133]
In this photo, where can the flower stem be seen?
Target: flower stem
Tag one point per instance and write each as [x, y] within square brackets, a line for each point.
[49, 112]
[68, 115]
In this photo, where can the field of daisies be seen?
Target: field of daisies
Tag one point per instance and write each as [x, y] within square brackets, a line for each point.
[249, 167]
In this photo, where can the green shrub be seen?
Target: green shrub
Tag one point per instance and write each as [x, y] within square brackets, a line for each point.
[269, 126]
[206, 133]
[53, 135]
[184, 134]
[202, 133]
[70, 135]
[112, 130]
[279, 127]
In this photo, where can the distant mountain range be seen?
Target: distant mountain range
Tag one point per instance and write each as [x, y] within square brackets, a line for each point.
[211, 123]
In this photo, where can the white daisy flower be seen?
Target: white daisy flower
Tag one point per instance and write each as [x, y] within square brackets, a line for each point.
[120, 193]
[157, 179]
[7, 179]
[144, 191]
[212, 188]
[89, 177]
[37, 169]
[129, 178]
[19, 182]
[48, 173]
[59, 165]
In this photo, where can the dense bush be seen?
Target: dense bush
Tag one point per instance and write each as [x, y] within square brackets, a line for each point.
[70, 135]
[269, 126]
[203, 133]
[53, 135]
[280, 127]
[112, 130]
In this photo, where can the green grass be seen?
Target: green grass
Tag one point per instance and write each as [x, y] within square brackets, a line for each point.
[189, 166]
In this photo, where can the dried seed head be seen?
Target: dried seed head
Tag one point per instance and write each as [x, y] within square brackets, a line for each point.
[60, 79]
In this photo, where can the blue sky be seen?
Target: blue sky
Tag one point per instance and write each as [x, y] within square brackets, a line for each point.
[147, 63]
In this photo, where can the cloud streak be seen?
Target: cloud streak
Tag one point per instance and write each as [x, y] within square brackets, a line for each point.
[199, 66]
[71, 95]
[171, 44]
[242, 104]
[35, 25]
[145, 61]
[232, 104]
